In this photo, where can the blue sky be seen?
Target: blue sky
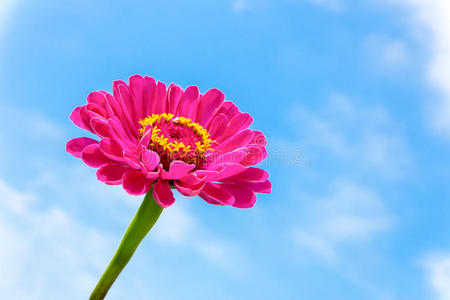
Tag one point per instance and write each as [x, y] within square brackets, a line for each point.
[354, 97]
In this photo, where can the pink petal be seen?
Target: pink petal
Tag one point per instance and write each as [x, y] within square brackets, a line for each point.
[260, 187]
[139, 92]
[177, 170]
[218, 126]
[173, 97]
[76, 146]
[93, 157]
[111, 173]
[249, 175]
[100, 127]
[214, 194]
[238, 123]
[135, 183]
[189, 102]
[208, 105]
[96, 98]
[259, 138]
[77, 120]
[254, 155]
[111, 149]
[244, 197]
[162, 193]
[149, 159]
[160, 98]
[234, 142]
[149, 103]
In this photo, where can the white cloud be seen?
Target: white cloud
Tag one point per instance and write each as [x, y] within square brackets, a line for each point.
[388, 53]
[39, 245]
[365, 138]
[177, 226]
[349, 213]
[437, 267]
[5, 10]
[431, 18]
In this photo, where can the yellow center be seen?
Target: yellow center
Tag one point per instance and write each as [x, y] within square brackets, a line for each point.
[158, 140]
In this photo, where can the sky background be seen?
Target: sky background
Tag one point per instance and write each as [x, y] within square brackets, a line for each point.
[353, 96]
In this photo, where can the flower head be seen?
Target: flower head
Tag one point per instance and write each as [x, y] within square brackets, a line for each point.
[170, 137]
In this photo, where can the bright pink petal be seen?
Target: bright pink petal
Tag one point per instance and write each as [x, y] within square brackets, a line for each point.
[234, 142]
[218, 126]
[149, 159]
[135, 183]
[149, 102]
[139, 93]
[76, 118]
[111, 173]
[93, 157]
[243, 197]
[76, 146]
[254, 155]
[101, 127]
[209, 103]
[248, 175]
[238, 123]
[189, 102]
[260, 187]
[111, 149]
[214, 194]
[160, 98]
[173, 97]
[177, 170]
[162, 193]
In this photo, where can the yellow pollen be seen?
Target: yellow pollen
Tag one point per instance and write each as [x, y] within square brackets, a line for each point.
[158, 139]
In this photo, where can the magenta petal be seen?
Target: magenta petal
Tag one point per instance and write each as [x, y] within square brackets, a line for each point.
[249, 175]
[162, 193]
[76, 146]
[214, 194]
[160, 98]
[149, 159]
[135, 183]
[189, 102]
[77, 120]
[244, 197]
[173, 97]
[208, 105]
[216, 128]
[93, 157]
[260, 187]
[100, 127]
[111, 173]
[177, 170]
[111, 149]
[234, 142]
[139, 93]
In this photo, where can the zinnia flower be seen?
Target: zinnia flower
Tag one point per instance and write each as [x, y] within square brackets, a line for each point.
[153, 136]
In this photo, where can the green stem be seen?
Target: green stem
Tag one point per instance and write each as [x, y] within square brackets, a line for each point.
[143, 221]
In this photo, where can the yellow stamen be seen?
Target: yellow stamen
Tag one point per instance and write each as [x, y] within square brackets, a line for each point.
[157, 139]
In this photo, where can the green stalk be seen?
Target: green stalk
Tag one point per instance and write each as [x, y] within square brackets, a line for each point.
[143, 221]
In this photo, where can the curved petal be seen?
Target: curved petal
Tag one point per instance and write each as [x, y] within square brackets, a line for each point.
[162, 193]
[149, 159]
[111, 149]
[189, 102]
[214, 194]
[209, 103]
[173, 98]
[243, 196]
[135, 183]
[93, 157]
[177, 170]
[248, 175]
[76, 146]
[112, 173]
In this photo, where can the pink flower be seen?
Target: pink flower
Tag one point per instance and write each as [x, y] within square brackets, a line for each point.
[166, 137]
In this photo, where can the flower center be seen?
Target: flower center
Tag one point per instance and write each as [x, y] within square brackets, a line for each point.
[177, 139]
